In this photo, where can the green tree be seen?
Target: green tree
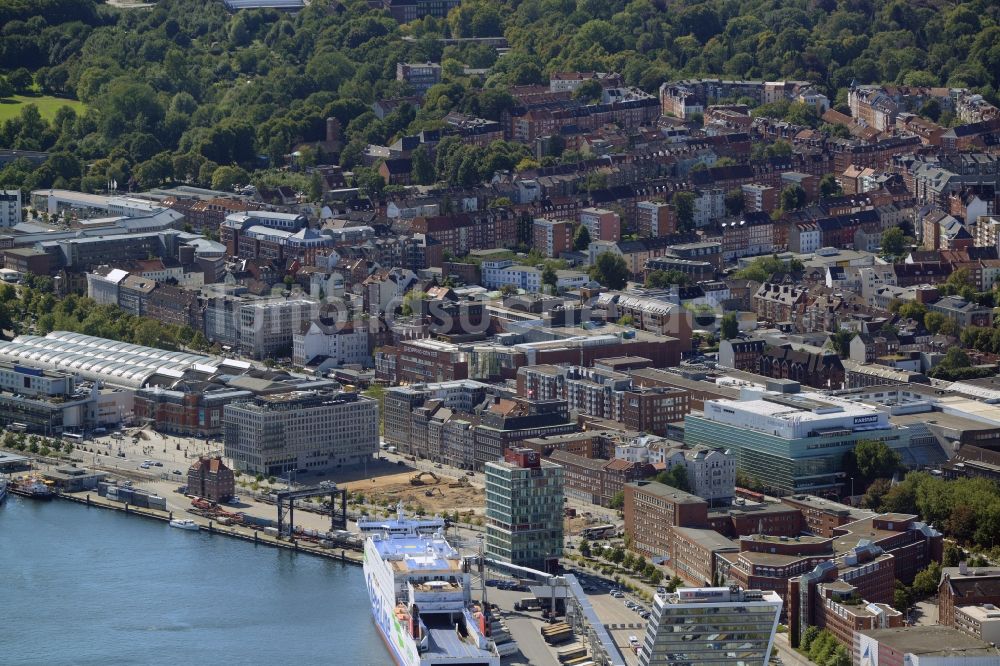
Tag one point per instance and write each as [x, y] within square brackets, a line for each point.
[316, 186]
[154, 171]
[21, 80]
[734, 201]
[585, 548]
[893, 242]
[225, 177]
[952, 555]
[875, 460]
[683, 202]
[617, 501]
[933, 322]
[829, 187]
[840, 657]
[730, 326]
[610, 270]
[628, 561]
[793, 197]
[925, 583]
[589, 92]
[878, 489]
[675, 477]
[913, 310]
[808, 637]
[901, 597]
[841, 342]
[369, 181]
[550, 278]
[659, 279]
[422, 170]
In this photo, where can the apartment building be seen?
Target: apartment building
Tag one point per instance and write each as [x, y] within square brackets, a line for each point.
[654, 219]
[602, 224]
[10, 208]
[552, 237]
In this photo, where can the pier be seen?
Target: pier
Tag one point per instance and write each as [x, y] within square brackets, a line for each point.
[340, 553]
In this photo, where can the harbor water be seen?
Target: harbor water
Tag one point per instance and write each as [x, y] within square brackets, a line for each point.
[89, 586]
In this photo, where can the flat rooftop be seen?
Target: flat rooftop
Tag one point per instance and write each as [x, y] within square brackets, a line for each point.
[933, 640]
[829, 506]
[667, 492]
[423, 554]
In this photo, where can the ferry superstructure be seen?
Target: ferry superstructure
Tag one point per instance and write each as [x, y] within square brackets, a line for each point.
[401, 526]
[422, 601]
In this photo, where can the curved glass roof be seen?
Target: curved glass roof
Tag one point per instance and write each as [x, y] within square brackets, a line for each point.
[119, 363]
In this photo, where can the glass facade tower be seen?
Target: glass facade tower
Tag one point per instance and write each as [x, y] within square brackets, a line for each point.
[524, 509]
[711, 626]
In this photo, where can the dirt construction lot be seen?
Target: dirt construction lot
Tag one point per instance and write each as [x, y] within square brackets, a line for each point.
[443, 497]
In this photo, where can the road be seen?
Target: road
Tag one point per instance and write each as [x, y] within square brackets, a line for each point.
[789, 656]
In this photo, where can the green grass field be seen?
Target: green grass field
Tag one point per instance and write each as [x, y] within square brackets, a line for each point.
[10, 107]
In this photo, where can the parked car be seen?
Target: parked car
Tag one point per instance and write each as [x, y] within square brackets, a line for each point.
[177, 472]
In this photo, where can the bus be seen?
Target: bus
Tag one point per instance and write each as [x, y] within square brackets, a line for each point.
[598, 532]
[72, 437]
[748, 494]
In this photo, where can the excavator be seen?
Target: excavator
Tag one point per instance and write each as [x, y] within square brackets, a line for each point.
[418, 478]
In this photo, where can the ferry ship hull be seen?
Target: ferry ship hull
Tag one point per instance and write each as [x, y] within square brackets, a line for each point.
[387, 624]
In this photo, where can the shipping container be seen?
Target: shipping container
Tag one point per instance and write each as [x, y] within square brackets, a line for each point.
[158, 503]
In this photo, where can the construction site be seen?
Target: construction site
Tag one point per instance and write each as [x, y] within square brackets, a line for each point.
[432, 492]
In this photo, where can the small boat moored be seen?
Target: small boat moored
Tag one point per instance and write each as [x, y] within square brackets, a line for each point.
[33, 487]
[184, 524]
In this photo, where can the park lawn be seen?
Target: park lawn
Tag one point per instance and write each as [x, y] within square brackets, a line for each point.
[10, 107]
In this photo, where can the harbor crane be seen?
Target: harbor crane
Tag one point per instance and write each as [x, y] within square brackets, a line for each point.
[338, 517]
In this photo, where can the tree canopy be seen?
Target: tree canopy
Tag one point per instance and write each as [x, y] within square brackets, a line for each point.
[188, 81]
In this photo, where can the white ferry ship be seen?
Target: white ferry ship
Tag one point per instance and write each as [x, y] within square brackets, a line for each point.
[421, 599]
[401, 526]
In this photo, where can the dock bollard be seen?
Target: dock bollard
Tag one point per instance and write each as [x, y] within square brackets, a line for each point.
[126, 507]
[88, 499]
[255, 536]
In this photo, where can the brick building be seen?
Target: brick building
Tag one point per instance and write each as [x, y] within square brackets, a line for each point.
[966, 586]
[823, 516]
[652, 508]
[211, 479]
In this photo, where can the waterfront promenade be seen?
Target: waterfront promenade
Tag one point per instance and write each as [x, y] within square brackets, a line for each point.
[341, 553]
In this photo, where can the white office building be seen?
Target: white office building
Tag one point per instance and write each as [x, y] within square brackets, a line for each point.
[341, 343]
[311, 430]
[711, 626]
